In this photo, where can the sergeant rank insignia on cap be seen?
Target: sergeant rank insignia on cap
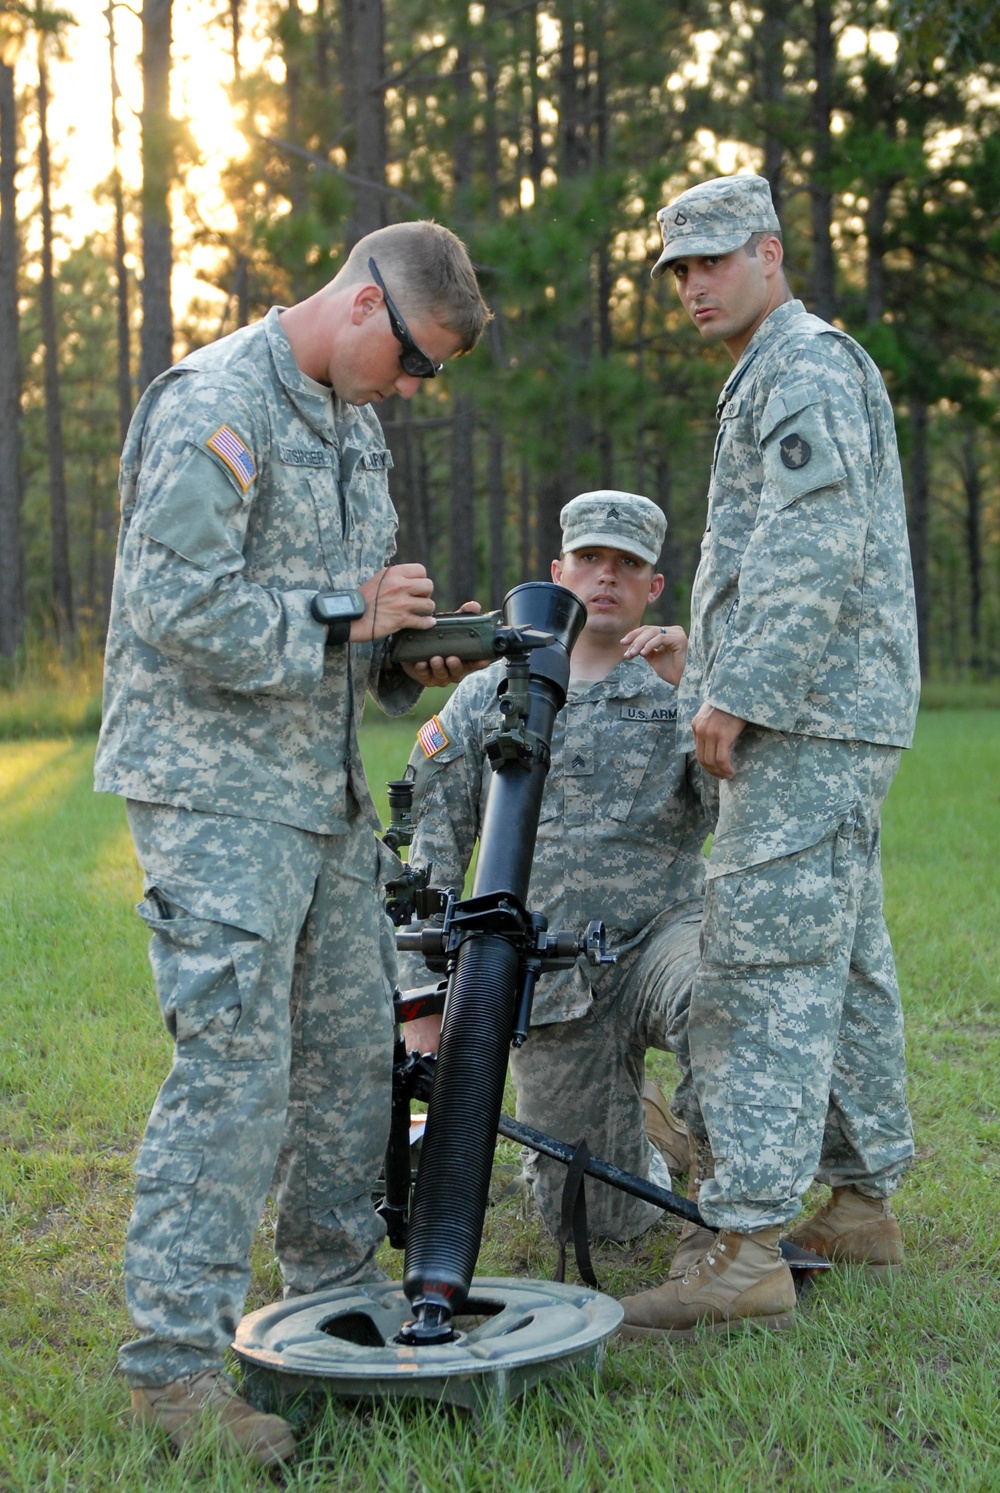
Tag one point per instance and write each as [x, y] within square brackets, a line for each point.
[238, 458]
[431, 737]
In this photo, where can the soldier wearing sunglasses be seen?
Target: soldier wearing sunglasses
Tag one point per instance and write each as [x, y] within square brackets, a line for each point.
[254, 593]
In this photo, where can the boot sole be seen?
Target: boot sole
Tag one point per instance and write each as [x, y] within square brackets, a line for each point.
[777, 1322]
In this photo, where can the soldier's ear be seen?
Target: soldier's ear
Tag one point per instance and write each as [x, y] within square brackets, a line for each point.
[365, 302]
[655, 586]
[556, 571]
[771, 255]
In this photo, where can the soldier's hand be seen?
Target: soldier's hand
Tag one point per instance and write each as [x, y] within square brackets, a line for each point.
[422, 1035]
[715, 731]
[666, 648]
[451, 670]
[398, 596]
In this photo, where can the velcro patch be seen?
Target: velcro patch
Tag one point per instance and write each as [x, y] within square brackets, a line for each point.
[431, 737]
[654, 713]
[238, 458]
[375, 461]
[295, 456]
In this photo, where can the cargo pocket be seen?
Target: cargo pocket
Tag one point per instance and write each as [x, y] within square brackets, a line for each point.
[785, 911]
[764, 1148]
[207, 973]
[164, 1197]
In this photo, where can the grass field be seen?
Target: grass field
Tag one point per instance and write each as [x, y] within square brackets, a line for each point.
[880, 1384]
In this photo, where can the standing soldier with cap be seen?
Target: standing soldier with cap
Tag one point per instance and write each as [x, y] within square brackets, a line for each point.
[620, 838]
[252, 602]
[801, 687]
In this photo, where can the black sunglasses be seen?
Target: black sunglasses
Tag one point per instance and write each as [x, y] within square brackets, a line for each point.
[412, 359]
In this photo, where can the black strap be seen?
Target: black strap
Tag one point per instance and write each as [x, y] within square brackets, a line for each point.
[573, 1218]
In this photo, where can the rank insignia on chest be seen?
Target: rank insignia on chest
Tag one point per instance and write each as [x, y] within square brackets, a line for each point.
[431, 737]
[795, 452]
[237, 456]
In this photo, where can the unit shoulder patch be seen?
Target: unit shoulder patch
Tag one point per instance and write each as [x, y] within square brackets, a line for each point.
[238, 457]
[795, 451]
[432, 737]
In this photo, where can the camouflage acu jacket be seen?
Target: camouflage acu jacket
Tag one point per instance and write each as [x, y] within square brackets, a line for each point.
[245, 489]
[802, 614]
[622, 823]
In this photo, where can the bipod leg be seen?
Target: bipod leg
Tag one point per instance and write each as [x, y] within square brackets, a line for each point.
[802, 1262]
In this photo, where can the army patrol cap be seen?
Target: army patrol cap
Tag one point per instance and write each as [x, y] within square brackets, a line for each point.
[619, 520]
[715, 218]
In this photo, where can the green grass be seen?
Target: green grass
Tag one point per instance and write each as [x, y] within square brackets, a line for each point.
[879, 1385]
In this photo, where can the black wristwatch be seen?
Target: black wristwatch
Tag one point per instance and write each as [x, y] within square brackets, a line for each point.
[337, 610]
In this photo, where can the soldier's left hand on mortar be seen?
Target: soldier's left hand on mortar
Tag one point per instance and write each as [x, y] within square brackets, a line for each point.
[665, 648]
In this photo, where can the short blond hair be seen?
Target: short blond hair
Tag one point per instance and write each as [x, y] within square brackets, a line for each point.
[428, 272]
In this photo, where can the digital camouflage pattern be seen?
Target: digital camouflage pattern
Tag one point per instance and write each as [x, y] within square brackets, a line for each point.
[795, 1023]
[620, 520]
[232, 730]
[294, 912]
[715, 217]
[620, 838]
[220, 693]
[585, 1077]
[622, 823]
[803, 623]
[802, 613]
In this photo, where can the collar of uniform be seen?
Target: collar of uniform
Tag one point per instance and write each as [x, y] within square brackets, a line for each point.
[769, 328]
[631, 677]
[314, 407]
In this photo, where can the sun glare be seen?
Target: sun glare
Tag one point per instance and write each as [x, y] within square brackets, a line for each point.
[80, 118]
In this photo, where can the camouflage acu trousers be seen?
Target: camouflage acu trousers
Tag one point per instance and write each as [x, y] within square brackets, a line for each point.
[274, 965]
[584, 1078]
[795, 1025]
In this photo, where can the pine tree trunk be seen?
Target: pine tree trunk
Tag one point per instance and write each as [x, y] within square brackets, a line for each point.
[771, 91]
[121, 274]
[462, 508]
[366, 32]
[823, 275]
[157, 177]
[62, 590]
[972, 481]
[11, 588]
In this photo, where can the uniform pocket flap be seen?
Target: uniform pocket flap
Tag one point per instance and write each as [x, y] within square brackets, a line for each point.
[176, 1165]
[762, 1091]
[167, 897]
[784, 404]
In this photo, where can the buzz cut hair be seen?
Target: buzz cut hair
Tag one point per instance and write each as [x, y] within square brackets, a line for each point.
[428, 273]
[750, 247]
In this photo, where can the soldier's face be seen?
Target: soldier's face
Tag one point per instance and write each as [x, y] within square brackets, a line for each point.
[364, 366]
[727, 296]
[613, 585]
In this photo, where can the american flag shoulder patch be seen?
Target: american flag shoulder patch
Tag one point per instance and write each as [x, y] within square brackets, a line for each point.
[431, 737]
[238, 457]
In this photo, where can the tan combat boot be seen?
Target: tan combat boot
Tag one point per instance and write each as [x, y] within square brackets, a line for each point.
[666, 1132]
[852, 1229]
[206, 1403]
[695, 1240]
[741, 1282]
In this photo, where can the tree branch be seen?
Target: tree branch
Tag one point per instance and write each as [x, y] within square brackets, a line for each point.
[323, 164]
